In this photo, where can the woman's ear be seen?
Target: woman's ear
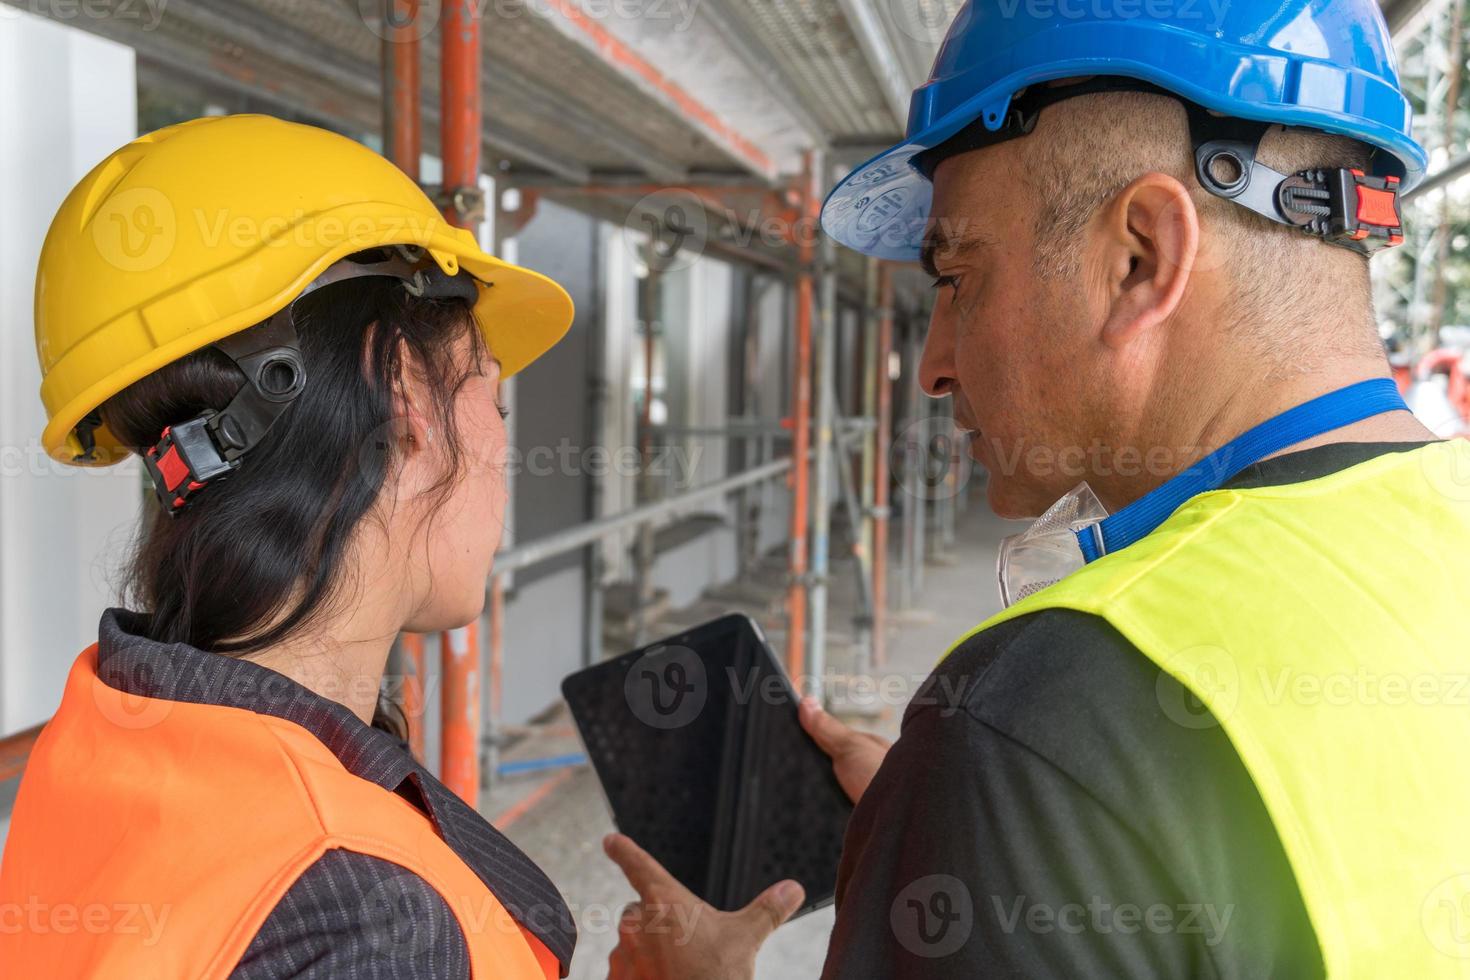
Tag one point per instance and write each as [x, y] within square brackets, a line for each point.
[1151, 243]
[410, 400]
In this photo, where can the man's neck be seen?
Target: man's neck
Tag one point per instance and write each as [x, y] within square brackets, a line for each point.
[1250, 405]
[1246, 405]
[1400, 426]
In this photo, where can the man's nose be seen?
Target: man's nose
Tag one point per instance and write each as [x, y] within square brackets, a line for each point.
[937, 367]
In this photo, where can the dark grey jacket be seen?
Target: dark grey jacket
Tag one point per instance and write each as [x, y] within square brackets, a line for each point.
[349, 914]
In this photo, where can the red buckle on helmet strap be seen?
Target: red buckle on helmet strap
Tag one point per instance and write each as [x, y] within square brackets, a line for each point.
[182, 462]
[173, 468]
[1378, 207]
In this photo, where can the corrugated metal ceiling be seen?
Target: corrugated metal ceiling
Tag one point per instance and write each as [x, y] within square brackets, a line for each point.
[557, 102]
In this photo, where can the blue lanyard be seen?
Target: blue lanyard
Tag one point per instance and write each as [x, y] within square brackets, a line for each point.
[1322, 414]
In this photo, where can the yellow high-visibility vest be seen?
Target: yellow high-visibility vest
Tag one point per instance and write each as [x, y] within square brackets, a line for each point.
[1326, 627]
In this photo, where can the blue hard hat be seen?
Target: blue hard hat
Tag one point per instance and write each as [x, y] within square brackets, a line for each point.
[1324, 64]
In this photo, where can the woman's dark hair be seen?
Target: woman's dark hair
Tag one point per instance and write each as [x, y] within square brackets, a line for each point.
[256, 558]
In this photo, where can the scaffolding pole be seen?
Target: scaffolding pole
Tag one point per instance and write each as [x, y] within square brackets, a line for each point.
[915, 519]
[414, 664]
[644, 544]
[867, 503]
[801, 410]
[402, 112]
[1455, 70]
[822, 496]
[883, 433]
[460, 135]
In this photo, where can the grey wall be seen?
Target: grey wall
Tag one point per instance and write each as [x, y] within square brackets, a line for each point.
[545, 611]
[551, 403]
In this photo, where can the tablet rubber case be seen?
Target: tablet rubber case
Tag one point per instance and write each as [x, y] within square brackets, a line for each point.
[697, 746]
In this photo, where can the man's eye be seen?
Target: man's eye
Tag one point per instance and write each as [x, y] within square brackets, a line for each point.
[944, 282]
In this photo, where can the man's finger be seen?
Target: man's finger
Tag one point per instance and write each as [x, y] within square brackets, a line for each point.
[647, 876]
[619, 963]
[829, 733]
[771, 908]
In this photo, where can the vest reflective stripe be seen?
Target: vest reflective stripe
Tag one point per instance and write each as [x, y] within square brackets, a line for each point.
[178, 827]
[1326, 626]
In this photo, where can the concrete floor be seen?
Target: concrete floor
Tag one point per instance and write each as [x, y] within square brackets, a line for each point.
[560, 818]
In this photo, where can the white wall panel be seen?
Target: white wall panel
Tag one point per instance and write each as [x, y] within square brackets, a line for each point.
[67, 99]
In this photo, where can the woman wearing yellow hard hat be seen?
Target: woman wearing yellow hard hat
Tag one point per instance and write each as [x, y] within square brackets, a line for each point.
[307, 357]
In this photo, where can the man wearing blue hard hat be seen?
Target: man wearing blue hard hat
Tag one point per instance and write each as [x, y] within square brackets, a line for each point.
[1218, 730]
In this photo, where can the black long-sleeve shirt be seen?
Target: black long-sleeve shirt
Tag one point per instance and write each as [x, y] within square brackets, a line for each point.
[1057, 806]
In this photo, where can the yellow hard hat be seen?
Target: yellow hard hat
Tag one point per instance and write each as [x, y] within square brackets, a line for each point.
[204, 229]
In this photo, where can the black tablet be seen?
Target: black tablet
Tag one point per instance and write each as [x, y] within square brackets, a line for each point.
[698, 747]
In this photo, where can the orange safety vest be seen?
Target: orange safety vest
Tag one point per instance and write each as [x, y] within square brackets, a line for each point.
[152, 838]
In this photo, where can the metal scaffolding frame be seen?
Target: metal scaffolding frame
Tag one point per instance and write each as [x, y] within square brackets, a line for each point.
[838, 456]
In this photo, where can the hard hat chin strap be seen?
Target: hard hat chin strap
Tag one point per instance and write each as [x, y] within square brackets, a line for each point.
[1342, 206]
[210, 445]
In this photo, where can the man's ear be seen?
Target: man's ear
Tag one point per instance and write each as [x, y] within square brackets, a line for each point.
[1151, 243]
